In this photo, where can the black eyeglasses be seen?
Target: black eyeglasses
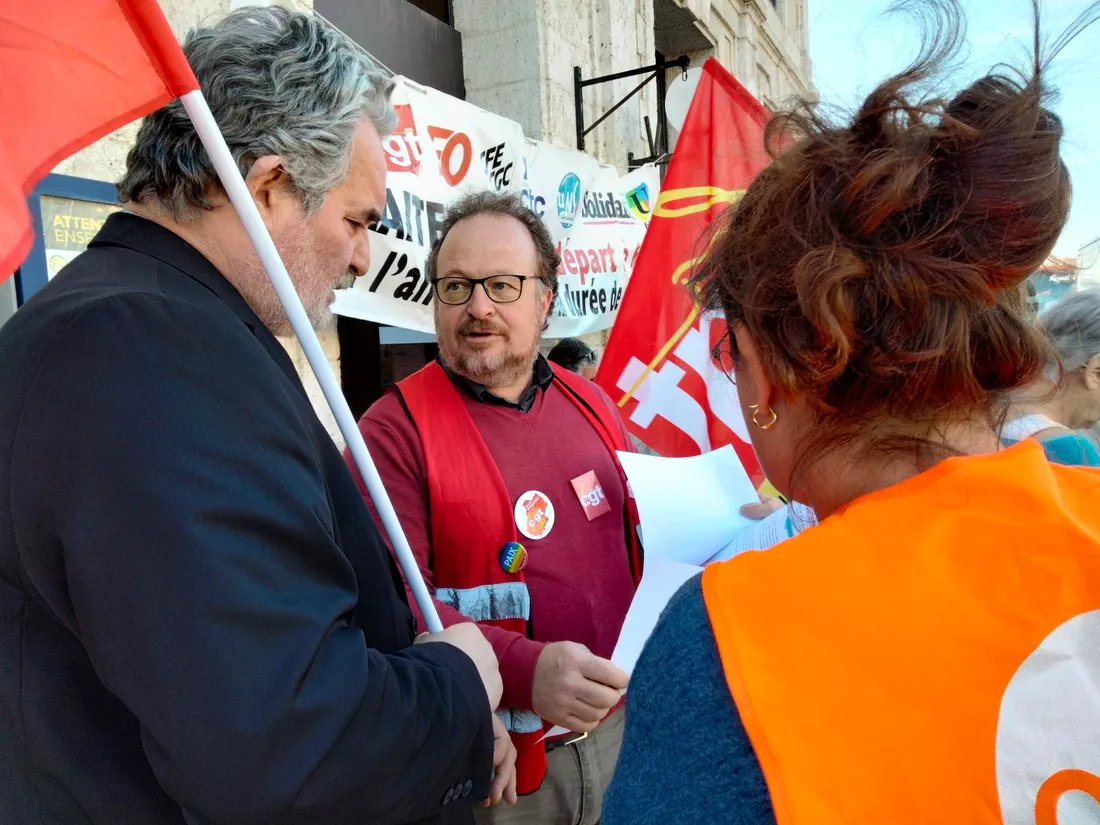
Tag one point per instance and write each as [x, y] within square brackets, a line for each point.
[725, 354]
[501, 289]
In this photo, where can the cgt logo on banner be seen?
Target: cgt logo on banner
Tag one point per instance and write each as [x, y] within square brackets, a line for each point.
[444, 148]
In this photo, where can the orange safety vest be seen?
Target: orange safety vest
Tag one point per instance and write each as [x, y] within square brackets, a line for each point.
[931, 654]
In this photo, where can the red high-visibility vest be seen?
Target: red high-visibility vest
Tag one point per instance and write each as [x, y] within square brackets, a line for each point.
[472, 518]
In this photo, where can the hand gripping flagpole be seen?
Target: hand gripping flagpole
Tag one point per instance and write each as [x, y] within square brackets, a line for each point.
[241, 198]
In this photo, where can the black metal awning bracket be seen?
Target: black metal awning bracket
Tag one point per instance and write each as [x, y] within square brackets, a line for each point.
[579, 84]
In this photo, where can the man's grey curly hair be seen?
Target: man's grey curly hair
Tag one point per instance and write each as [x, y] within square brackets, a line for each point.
[279, 82]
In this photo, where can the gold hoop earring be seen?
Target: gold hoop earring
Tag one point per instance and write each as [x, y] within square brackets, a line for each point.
[755, 420]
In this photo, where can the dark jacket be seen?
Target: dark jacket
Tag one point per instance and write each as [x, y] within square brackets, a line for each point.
[197, 613]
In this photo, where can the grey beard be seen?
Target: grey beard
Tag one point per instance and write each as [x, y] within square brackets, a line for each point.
[296, 257]
[500, 371]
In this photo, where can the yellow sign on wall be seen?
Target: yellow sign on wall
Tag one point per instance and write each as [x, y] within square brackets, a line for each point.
[68, 226]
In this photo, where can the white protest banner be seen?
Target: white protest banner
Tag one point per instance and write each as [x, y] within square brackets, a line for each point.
[443, 148]
[598, 219]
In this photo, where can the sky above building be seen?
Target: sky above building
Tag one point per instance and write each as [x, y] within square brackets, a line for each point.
[854, 44]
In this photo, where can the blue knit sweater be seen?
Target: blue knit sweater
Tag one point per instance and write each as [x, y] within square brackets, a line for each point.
[686, 757]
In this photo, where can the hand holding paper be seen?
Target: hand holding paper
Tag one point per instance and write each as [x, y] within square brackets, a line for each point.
[689, 507]
[690, 515]
[575, 688]
[661, 581]
[784, 523]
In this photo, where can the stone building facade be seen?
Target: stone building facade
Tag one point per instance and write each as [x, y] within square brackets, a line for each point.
[519, 58]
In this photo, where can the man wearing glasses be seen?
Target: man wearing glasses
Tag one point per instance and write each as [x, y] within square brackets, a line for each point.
[504, 476]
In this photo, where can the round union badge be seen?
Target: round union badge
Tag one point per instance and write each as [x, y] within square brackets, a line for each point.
[534, 514]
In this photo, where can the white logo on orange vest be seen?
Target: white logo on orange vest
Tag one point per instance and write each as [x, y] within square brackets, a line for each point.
[1048, 731]
[534, 514]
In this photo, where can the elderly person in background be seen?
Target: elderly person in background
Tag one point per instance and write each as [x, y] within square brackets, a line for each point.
[199, 621]
[1059, 408]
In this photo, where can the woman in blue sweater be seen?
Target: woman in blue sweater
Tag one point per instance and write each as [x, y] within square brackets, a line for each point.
[871, 279]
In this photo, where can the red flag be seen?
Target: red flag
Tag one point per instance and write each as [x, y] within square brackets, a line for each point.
[658, 365]
[72, 71]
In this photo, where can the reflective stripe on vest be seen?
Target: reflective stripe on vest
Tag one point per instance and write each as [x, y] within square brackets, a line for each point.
[489, 602]
[943, 661]
[519, 721]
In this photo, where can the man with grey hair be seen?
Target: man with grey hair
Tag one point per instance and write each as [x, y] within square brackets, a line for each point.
[199, 621]
[503, 472]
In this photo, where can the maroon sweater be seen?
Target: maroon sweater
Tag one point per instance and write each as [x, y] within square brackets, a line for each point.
[579, 574]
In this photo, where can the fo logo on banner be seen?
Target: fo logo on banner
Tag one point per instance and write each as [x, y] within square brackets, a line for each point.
[569, 198]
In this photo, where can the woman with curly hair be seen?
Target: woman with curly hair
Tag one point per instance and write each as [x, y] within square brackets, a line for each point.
[929, 652]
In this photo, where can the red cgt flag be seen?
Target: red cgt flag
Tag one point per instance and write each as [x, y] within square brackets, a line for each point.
[70, 73]
[658, 365]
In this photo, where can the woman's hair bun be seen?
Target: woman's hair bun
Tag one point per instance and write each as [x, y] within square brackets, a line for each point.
[877, 262]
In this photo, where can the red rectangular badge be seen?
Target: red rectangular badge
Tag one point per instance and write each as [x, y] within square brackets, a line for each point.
[590, 495]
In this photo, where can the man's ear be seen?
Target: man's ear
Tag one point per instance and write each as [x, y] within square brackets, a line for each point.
[269, 185]
[545, 300]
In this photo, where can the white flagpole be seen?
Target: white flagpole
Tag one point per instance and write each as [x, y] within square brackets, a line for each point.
[230, 175]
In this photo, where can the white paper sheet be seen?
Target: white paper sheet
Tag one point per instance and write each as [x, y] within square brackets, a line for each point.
[689, 507]
[660, 581]
[781, 525]
[689, 510]
[557, 730]
[757, 536]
